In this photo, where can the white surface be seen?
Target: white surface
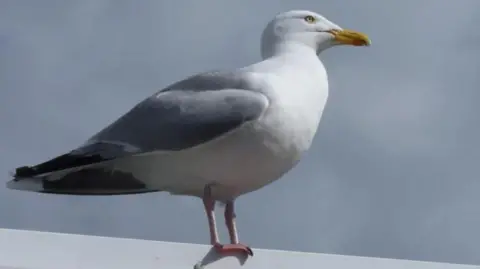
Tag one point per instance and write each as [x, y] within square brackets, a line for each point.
[41, 250]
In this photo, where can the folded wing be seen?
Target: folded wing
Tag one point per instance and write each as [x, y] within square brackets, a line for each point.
[171, 120]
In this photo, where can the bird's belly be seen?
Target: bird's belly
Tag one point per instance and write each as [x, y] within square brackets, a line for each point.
[240, 162]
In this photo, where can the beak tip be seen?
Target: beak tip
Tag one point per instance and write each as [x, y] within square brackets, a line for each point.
[362, 43]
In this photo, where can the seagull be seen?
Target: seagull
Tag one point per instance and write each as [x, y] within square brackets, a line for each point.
[215, 135]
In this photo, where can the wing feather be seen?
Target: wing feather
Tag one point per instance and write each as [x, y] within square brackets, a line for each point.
[173, 119]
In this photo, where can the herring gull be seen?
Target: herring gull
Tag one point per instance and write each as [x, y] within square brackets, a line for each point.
[214, 135]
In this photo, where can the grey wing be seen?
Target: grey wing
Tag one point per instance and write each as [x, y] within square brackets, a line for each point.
[176, 120]
[169, 120]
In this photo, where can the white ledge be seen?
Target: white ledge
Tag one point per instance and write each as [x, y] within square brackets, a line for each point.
[20, 249]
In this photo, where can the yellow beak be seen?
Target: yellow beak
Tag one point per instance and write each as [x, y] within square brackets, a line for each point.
[349, 37]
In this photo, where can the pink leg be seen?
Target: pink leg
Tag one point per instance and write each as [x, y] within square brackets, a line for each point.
[230, 222]
[234, 245]
[209, 204]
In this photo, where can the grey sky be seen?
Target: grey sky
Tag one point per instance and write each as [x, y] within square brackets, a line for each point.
[394, 168]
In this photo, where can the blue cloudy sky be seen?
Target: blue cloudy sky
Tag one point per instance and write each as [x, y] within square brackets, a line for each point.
[394, 169]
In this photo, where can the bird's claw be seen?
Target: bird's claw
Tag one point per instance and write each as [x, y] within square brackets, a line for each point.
[233, 248]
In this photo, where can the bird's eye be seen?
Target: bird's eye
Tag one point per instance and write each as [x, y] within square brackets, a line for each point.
[310, 19]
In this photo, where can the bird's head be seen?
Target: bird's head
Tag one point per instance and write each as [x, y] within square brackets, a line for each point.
[308, 29]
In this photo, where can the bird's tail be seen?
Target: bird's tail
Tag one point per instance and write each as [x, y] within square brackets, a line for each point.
[86, 171]
[87, 180]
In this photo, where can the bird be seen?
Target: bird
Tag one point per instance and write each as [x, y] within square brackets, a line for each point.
[215, 135]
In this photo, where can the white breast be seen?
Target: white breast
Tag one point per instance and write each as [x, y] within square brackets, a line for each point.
[298, 96]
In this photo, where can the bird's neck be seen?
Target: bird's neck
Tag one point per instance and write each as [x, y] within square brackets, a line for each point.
[294, 55]
[288, 57]
[289, 49]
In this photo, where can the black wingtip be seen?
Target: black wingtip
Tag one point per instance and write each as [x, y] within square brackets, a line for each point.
[61, 162]
[24, 171]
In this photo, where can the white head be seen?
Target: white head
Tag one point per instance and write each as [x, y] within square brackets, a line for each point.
[301, 28]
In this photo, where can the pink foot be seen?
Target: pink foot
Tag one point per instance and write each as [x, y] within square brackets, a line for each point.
[233, 248]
